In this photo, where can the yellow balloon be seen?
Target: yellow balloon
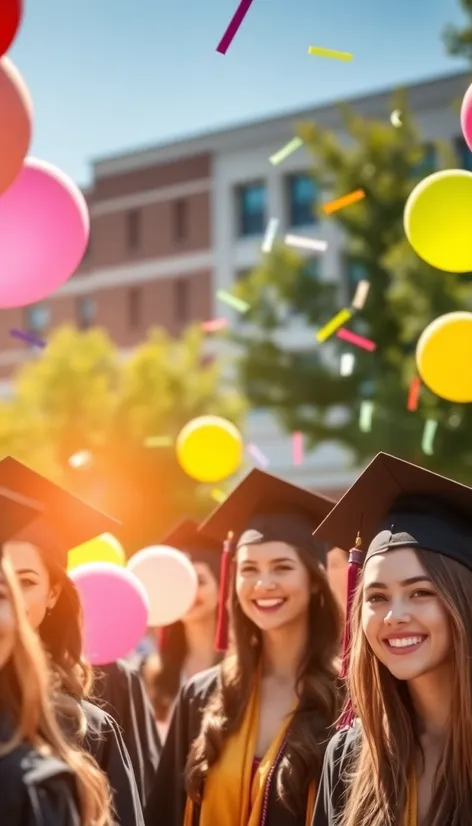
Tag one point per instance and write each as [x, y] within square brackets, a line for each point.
[209, 449]
[103, 548]
[444, 357]
[438, 220]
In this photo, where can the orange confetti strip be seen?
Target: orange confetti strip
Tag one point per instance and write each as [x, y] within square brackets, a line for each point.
[414, 394]
[214, 325]
[346, 200]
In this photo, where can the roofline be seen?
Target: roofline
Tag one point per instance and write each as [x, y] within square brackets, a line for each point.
[208, 142]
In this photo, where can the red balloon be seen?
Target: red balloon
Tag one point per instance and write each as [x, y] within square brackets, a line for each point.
[11, 12]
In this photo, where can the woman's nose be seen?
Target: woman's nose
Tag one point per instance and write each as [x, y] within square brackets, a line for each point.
[397, 613]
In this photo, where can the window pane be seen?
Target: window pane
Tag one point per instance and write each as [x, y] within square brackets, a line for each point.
[428, 164]
[38, 317]
[355, 272]
[134, 307]
[86, 308]
[463, 153]
[302, 194]
[181, 299]
[251, 202]
[180, 220]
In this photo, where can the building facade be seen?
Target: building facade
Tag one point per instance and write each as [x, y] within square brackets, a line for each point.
[173, 224]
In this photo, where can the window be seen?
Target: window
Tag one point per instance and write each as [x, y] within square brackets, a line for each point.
[251, 204]
[181, 300]
[85, 311]
[354, 272]
[428, 164]
[134, 307]
[463, 153]
[38, 318]
[302, 196]
[180, 220]
[133, 221]
[240, 275]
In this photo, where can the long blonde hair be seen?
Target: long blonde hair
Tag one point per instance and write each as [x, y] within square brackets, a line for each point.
[25, 689]
[389, 743]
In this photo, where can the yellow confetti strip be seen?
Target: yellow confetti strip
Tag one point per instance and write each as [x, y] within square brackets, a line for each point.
[317, 50]
[158, 441]
[232, 301]
[286, 150]
[333, 325]
[218, 495]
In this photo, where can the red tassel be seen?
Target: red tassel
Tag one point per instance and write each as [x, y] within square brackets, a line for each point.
[356, 560]
[222, 628]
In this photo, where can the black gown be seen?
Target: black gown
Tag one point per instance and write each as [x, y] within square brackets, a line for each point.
[35, 790]
[337, 765]
[166, 804]
[105, 743]
[119, 690]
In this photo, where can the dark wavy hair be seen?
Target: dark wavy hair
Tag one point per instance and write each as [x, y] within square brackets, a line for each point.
[317, 688]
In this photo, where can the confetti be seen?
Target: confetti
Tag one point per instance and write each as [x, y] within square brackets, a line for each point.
[365, 416]
[429, 432]
[218, 495]
[317, 50]
[214, 325]
[158, 441]
[348, 361]
[360, 296]
[286, 150]
[306, 243]
[297, 448]
[233, 26]
[332, 326]
[358, 341]
[270, 234]
[346, 200]
[396, 119]
[414, 394]
[28, 337]
[258, 455]
[232, 301]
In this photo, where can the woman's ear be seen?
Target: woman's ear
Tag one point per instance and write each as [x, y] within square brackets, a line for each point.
[54, 594]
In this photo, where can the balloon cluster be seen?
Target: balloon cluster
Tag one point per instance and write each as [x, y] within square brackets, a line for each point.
[44, 222]
[438, 225]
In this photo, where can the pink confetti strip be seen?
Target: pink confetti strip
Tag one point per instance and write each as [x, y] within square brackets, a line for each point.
[358, 341]
[297, 448]
[233, 26]
[258, 455]
[214, 325]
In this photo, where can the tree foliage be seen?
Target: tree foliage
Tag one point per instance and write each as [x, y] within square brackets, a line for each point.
[81, 396]
[459, 40]
[302, 384]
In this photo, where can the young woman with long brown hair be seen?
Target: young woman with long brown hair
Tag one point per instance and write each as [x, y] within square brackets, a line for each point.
[43, 779]
[38, 554]
[407, 760]
[249, 735]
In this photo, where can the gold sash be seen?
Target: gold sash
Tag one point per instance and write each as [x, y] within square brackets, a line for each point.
[411, 812]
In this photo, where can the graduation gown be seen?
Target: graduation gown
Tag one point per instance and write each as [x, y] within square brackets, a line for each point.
[105, 743]
[166, 804]
[332, 789]
[118, 689]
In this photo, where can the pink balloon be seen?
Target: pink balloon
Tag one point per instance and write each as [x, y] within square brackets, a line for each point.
[44, 231]
[115, 607]
[466, 117]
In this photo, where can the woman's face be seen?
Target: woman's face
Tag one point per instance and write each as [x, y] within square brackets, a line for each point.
[272, 585]
[404, 620]
[206, 601]
[34, 580]
[7, 626]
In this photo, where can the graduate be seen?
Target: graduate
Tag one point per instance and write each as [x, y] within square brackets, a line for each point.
[119, 690]
[407, 760]
[44, 781]
[188, 646]
[247, 738]
[38, 554]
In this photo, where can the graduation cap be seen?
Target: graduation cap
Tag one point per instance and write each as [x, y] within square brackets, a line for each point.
[186, 537]
[264, 508]
[35, 510]
[395, 504]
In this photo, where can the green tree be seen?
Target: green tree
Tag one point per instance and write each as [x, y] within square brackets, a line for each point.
[80, 396]
[459, 41]
[302, 385]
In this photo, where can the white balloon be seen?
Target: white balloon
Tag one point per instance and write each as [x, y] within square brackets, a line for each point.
[170, 581]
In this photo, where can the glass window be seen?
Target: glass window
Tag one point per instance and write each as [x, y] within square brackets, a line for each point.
[463, 153]
[182, 300]
[38, 317]
[251, 205]
[355, 272]
[85, 308]
[134, 229]
[134, 307]
[180, 220]
[429, 162]
[302, 196]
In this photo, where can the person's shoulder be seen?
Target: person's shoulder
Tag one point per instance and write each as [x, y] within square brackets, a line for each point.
[202, 685]
[28, 767]
[342, 745]
[98, 720]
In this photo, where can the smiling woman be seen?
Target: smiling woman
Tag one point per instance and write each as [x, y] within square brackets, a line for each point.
[410, 673]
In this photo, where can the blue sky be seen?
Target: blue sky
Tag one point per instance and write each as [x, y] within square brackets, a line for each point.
[112, 75]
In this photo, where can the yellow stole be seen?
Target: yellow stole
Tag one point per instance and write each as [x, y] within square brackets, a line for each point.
[411, 812]
[232, 797]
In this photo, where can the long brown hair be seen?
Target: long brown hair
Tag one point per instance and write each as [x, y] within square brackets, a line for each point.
[389, 743]
[26, 691]
[316, 688]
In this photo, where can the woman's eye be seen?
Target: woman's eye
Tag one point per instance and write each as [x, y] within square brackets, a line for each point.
[422, 593]
[376, 598]
[284, 568]
[27, 583]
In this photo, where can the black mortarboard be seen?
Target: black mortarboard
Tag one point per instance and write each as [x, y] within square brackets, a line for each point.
[264, 508]
[186, 537]
[60, 520]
